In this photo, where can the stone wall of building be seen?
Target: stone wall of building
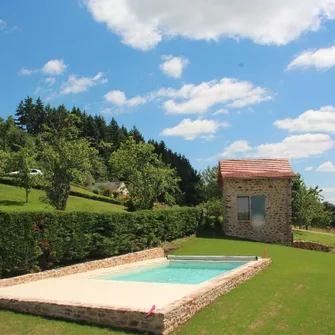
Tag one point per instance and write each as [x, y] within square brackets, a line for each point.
[87, 266]
[278, 210]
[311, 246]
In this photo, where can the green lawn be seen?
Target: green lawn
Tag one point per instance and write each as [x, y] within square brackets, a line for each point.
[315, 237]
[13, 199]
[295, 295]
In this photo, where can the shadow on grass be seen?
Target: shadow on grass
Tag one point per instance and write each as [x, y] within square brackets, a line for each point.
[219, 235]
[120, 331]
[11, 203]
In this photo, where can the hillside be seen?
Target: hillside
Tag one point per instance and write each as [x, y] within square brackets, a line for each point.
[13, 199]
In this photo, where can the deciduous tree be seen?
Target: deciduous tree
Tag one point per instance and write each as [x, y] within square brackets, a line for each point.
[146, 176]
[66, 158]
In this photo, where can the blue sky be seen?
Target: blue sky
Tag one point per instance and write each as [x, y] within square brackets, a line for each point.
[212, 78]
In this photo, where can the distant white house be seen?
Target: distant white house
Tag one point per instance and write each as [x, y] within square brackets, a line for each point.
[115, 186]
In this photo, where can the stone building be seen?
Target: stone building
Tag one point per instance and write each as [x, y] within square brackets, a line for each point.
[257, 197]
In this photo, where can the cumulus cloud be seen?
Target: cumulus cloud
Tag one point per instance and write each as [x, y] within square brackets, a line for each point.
[310, 121]
[292, 147]
[197, 99]
[119, 98]
[190, 130]
[308, 168]
[82, 84]
[233, 150]
[142, 24]
[173, 66]
[326, 167]
[54, 67]
[321, 59]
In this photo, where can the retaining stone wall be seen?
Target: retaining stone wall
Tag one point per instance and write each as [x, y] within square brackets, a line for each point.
[278, 209]
[311, 246]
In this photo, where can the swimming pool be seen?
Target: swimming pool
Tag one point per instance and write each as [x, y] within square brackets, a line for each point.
[175, 272]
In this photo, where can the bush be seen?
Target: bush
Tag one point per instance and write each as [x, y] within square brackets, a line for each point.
[107, 192]
[31, 241]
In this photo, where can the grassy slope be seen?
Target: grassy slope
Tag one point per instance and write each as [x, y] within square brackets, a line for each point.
[313, 236]
[13, 199]
[295, 295]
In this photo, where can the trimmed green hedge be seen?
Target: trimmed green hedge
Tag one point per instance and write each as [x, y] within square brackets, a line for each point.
[96, 197]
[31, 242]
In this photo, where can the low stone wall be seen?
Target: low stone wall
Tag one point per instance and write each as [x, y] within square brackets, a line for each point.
[311, 246]
[161, 321]
[181, 311]
[87, 266]
[94, 315]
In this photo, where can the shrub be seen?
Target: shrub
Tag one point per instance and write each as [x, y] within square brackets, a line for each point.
[88, 181]
[107, 192]
[30, 241]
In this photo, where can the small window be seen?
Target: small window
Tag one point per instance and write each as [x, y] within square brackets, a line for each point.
[257, 208]
[243, 209]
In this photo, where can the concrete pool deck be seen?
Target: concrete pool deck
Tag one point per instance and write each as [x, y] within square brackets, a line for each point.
[82, 297]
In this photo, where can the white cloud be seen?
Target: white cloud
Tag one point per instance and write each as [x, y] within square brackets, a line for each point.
[138, 100]
[197, 99]
[50, 81]
[142, 24]
[296, 146]
[321, 59]
[292, 147]
[308, 168]
[190, 130]
[328, 189]
[54, 67]
[119, 98]
[26, 72]
[311, 120]
[221, 111]
[116, 97]
[77, 85]
[173, 66]
[233, 150]
[326, 167]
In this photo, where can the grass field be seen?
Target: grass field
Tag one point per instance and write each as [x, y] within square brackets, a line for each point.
[295, 295]
[315, 237]
[13, 199]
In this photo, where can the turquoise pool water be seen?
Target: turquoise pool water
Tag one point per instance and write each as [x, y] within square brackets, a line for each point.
[176, 272]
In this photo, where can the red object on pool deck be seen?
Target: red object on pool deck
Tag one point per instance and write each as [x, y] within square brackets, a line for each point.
[151, 310]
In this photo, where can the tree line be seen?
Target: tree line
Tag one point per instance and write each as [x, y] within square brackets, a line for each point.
[40, 128]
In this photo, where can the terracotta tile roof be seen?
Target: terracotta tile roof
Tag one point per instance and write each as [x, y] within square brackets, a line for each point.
[255, 168]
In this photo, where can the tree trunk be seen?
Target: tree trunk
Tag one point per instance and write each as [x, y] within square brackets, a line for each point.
[27, 194]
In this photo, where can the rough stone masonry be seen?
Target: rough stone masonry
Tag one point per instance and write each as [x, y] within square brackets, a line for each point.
[278, 209]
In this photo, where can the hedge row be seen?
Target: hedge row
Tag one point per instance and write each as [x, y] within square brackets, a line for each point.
[10, 181]
[31, 242]
[96, 197]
